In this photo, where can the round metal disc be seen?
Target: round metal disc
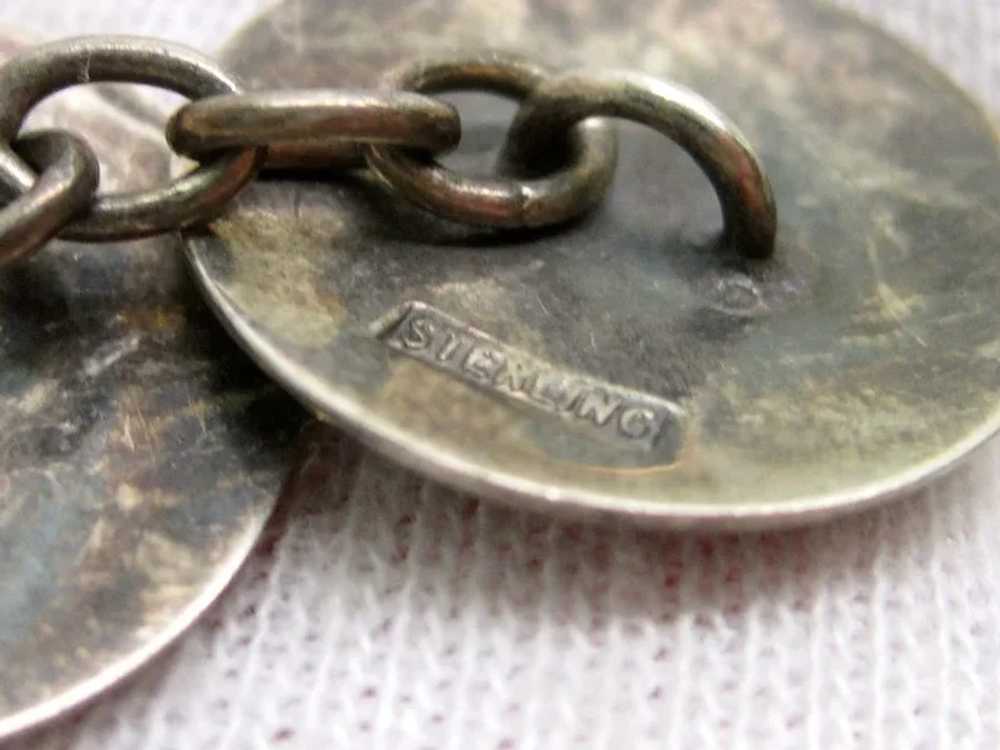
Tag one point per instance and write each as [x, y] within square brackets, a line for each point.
[141, 452]
[626, 365]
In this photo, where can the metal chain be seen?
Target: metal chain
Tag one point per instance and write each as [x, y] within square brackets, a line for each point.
[193, 198]
[558, 160]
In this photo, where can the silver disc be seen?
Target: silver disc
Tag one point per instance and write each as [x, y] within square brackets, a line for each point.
[141, 453]
[624, 365]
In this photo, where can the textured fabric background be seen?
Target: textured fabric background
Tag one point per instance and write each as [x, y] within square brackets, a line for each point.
[383, 611]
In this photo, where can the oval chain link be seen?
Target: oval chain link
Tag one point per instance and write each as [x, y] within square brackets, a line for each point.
[715, 143]
[63, 191]
[506, 201]
[314, 128]
[558, 160]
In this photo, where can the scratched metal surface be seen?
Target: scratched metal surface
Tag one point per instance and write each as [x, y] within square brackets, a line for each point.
[862, 359]
[140, 452]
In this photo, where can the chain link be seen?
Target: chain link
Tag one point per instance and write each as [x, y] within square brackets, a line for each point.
[558, 160]
[309, 129]
[65, 188]
[714, 142]
[501, 202]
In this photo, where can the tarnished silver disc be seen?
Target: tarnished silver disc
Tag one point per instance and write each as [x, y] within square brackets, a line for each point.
[140, 452]
[625, 365]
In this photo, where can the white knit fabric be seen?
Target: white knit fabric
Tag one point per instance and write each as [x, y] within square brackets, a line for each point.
[383, 611]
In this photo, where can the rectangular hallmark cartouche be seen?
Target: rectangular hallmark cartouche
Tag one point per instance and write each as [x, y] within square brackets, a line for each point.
[607, 411]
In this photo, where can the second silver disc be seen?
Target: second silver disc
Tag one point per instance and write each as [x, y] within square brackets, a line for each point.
[140, 451]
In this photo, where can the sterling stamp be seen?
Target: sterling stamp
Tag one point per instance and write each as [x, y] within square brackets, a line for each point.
[603, 409]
